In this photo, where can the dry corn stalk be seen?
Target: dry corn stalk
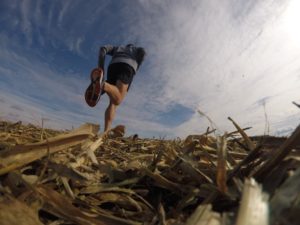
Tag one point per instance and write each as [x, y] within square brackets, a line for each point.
[221, 166]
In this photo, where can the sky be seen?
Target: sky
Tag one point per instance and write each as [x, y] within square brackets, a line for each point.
[224, 58]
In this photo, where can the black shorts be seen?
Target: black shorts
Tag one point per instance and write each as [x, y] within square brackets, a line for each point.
[120, 71]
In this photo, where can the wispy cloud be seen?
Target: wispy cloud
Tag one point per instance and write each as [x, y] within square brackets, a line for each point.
[25, 20]
[223, 62]
[31, 90]
[226, 58]
[64, 8]
[74, 45]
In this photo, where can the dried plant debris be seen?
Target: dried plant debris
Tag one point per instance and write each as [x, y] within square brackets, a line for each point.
[85, 177]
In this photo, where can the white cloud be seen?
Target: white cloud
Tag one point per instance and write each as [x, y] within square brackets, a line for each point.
[206, 55]
[74, 45]
[62, 12]
[31, 90]
[25, 20]
[222, 57]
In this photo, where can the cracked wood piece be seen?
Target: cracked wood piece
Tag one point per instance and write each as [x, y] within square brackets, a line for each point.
[91, 147]
[66, 184]
[279, 155]
[163, 182]
[204, 215]
[187, 166]
[24, 154]
[296, 104]
[13, 211]
[63, 208]
[254, 208]
[67, 172]
[161, 214]
[253, 155]
[249, 143]
[213, 152]
[221, 177]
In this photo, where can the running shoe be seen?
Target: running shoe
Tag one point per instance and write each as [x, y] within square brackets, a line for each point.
[93, 92]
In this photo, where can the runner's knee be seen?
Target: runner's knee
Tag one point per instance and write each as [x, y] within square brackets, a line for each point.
[117, 102]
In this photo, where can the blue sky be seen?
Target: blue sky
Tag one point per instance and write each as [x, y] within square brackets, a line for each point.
[232, 58]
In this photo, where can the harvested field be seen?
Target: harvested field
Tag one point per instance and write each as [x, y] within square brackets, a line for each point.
[85, 177]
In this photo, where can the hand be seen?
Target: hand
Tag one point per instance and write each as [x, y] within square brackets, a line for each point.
[101, 71]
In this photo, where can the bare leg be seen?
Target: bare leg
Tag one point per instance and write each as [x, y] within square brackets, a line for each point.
[116, 95]
[109, 115]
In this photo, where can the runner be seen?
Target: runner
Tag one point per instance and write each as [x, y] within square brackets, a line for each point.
[124, 64]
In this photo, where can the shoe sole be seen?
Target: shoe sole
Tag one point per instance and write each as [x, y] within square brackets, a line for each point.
[92, 93]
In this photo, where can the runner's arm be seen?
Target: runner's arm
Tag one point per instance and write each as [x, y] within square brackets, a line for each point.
[106, 49]
[140, 56]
